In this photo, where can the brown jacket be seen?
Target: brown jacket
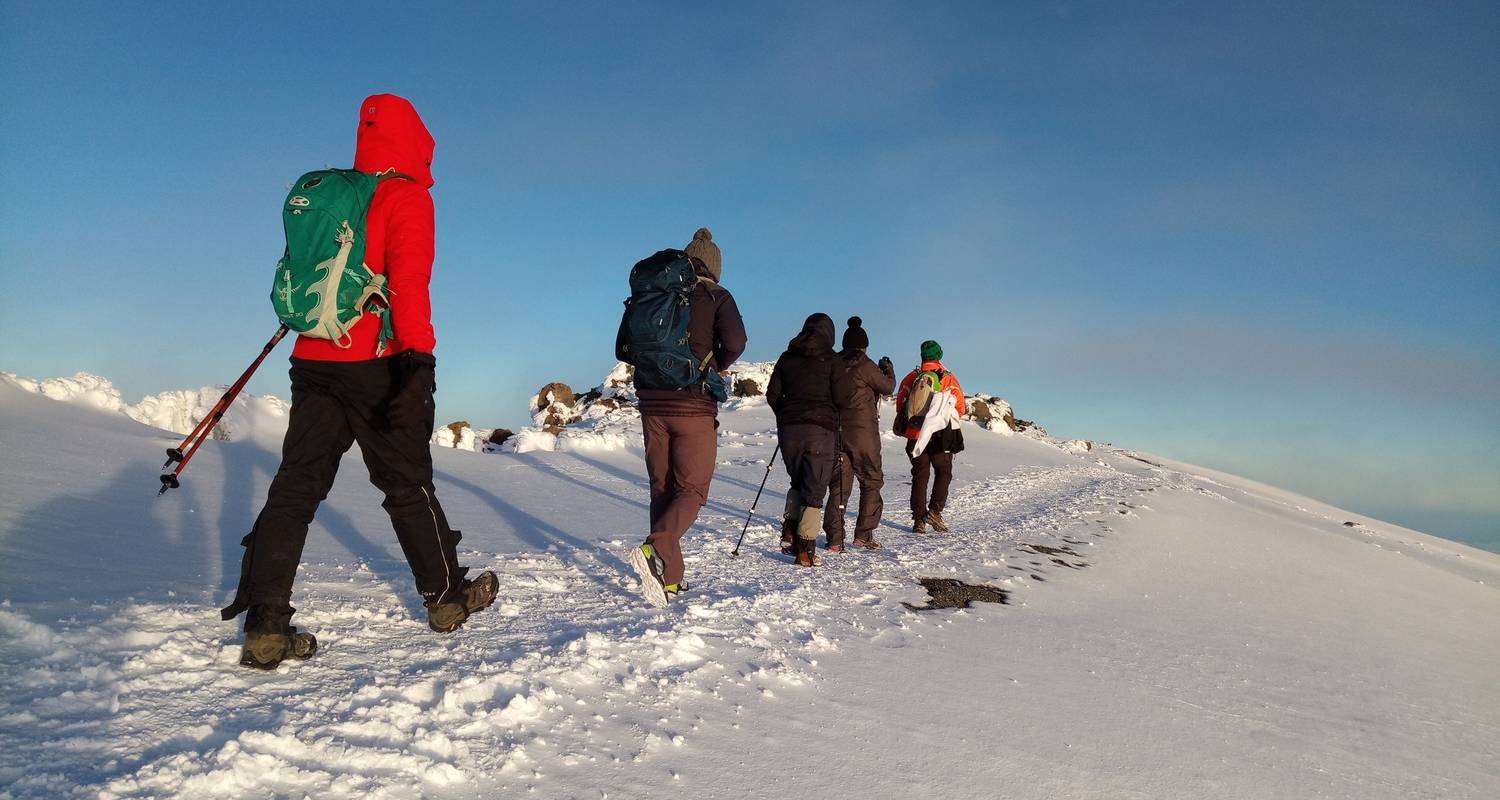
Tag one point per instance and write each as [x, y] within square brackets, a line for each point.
[870, 384]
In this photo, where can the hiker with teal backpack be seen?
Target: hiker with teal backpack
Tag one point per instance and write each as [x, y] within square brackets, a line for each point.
[353, 284]
[680, 329]
[929, 408]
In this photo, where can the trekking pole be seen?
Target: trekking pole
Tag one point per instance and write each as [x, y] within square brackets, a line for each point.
[838, 447]
[736, 552]
[183, 453]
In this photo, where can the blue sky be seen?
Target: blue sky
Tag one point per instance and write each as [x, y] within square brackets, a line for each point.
[1259, 236]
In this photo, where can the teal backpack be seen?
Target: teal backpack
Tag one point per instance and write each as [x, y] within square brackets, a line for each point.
[323, 287]
[654, 329]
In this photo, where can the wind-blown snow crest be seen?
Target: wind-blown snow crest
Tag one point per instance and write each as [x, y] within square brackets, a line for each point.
[178, 411]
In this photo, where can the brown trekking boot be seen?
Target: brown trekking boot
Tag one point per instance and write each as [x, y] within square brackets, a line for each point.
[919, 524]
[807, 553]
[867, 543]
[836, 548]
[935, 519]
[267, 650]
[477, 596]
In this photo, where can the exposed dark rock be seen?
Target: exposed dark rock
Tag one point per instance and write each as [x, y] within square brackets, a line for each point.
[499, 435]
[457, 428]
[950, 593]
[748, 387]
[560, 393]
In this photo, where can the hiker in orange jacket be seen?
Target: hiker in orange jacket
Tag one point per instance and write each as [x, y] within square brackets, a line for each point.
[937, 455]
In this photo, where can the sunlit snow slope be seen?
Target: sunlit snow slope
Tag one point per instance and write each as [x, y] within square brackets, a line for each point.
[1170, 633]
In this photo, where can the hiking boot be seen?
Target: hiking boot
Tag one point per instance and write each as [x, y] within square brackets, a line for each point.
[935, 519]
[477, 594]
[266, 650]
[788, 543]
[651, 569]
[807, 553]
[867, 544]
[836, 548]
[919, 524]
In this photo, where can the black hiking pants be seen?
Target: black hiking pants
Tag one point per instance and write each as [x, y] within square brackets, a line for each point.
[859, 457]
[930, 462]
[808, 452]
[334, 405]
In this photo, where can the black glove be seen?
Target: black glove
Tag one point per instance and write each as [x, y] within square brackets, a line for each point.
[416, 380]
[887, 367]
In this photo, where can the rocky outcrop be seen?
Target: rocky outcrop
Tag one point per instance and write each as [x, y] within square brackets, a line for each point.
[992, 413]
[498, 436]
[456, 430]
[554, 407]
[749, 379]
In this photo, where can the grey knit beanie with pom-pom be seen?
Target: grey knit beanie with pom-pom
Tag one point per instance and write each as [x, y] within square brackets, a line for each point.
[855, 335]
[702, 247]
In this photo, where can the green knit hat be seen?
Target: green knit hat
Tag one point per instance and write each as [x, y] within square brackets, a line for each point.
[932, 351]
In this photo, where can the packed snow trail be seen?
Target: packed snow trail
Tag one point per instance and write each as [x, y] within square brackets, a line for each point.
[569, 686]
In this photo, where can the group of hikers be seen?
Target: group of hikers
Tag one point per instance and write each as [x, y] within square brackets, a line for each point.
[370, 261]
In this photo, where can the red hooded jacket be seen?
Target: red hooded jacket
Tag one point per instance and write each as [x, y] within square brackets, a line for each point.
[398, 231]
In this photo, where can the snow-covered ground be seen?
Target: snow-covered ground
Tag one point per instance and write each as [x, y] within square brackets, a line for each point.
[1169, 633]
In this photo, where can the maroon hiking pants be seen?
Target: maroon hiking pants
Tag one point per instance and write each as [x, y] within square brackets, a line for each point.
[680, 455]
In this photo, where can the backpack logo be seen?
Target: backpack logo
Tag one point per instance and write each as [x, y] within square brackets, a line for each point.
[299, 201]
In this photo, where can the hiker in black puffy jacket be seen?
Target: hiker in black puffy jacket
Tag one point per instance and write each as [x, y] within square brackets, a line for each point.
[809, 391]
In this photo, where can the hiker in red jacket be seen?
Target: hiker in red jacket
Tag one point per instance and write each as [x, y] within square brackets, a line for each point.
[384, 401]
[936, 457]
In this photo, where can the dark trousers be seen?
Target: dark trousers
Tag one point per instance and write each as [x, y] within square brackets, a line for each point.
[929, 462]
[808, 452]
[335, 404]
[859, 457]
[680, 454]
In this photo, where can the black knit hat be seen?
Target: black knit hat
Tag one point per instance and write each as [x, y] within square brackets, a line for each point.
[855, 335]
[702, 247]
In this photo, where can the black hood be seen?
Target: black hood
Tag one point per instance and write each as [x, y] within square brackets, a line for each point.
[816, 337]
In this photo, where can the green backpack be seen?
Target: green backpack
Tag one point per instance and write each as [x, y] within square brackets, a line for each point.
[323, 287]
